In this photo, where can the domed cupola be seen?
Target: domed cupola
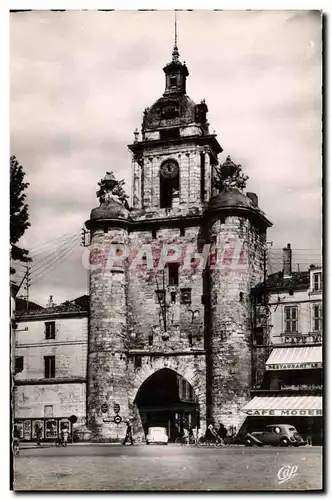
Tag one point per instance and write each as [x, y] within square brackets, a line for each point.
[174, 108]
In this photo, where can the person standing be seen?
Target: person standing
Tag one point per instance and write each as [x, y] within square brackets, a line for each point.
[222, 431]
[65, 434]
[129, 435]
[39, 433]
[185, 436]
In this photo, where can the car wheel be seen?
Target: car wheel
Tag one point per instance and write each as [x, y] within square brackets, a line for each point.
[284, 442]
[248, 442]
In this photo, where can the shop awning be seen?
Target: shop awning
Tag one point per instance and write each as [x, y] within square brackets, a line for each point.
[284, 406]
[295, 358]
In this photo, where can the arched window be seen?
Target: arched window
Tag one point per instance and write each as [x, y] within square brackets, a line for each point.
[169, 183]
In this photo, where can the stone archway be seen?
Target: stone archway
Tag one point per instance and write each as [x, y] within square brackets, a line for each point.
[166, 399]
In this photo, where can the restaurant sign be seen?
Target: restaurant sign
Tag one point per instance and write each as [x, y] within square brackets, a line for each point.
[294, 366]
[284, 413]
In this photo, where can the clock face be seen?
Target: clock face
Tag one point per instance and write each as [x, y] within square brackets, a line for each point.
[169, 169]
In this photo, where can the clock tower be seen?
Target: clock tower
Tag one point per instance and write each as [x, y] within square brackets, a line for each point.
[169, 331]
[174, 160]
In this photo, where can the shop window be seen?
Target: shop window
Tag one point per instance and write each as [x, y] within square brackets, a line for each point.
[173, 274]
[291, 319]
[19, 364]
[51, 429]
[18, 430]
[50, 330]
[49, 366]
[37, 424]
[64, 424]
[317, 318]
[317, 282]
[48, 411]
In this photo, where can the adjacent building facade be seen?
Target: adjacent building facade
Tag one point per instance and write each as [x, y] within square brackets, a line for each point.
[50, 368]
[287, 350]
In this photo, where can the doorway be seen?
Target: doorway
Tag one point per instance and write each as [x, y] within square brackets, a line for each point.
[166, 399]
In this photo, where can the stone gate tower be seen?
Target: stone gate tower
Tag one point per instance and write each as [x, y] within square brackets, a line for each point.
[169, 338]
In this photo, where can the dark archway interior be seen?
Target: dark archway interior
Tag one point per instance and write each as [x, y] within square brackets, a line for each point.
[167, 188]
[166, 399]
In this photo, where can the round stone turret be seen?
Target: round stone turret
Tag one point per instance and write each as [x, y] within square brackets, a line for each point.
[108, 211]
[237, 231]
[108, 226]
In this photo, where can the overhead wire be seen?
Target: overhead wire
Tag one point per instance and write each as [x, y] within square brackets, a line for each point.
[60, 258]
[38, 265]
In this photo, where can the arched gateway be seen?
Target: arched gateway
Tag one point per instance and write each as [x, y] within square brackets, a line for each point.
[167, 399]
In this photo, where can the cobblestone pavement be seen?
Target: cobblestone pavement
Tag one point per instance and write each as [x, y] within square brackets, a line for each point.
[172, 467]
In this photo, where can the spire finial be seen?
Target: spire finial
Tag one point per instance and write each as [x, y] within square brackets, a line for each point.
[175, 53]
[175, 30]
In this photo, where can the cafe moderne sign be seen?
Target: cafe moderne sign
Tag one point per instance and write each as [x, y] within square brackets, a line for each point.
[284, 413]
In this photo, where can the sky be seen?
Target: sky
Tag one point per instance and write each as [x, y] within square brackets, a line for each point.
[79, 82]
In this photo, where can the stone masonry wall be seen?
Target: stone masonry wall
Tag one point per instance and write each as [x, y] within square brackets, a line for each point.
[230, 326]
[144, 311]
[108, 330]
[66, 399]
[188, 157]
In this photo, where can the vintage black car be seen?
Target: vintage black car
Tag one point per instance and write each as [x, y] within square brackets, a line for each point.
[275, 435]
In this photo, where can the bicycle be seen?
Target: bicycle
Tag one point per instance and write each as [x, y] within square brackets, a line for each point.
[185, 441]
[213, 443]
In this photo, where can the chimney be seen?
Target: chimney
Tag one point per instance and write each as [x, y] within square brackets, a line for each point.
[50, 302]
[287, 259]
[254, 198]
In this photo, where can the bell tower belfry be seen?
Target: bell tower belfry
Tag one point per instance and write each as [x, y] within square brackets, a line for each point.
[174, 159]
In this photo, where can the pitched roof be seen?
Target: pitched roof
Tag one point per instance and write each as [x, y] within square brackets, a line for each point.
[277, 281]
[78, 305]
[21, 305]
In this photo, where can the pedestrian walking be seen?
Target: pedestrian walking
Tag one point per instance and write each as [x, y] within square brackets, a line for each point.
[39, 433]
[65, 435]
[185, 436]
[222, 431]
[129, 435]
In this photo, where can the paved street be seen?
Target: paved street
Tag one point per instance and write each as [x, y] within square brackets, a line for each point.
[172, 467]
